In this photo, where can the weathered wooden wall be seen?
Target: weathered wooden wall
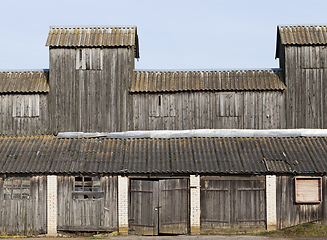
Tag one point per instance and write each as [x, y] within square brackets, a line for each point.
[290, 213]
[306, 81]
[88, 215]
[24, 114]
[233, 202]
[216, 110]
[25, 216]
[90, 99]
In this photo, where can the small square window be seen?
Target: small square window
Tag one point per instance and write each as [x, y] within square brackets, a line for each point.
[17, 187]
[87, 188]
[308, 189]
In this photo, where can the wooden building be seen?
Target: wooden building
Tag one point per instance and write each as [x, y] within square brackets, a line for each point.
[154, 185]
[118, 167]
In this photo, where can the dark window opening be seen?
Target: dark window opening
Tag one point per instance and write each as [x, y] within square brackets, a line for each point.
[87, 188]
[17, 188]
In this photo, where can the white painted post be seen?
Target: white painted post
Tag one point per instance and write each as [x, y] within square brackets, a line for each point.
[52, 205]
[123, 204]
[195, 204]
[271, 202]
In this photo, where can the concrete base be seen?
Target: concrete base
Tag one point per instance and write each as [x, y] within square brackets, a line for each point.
[123, 230]
[271, 227]
[195, 230]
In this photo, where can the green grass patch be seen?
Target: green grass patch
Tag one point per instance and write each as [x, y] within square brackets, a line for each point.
[303, 230]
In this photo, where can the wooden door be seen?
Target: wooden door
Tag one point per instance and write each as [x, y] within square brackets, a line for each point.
[233, 202]
[143, 211]
[159, 206]
[173, 206]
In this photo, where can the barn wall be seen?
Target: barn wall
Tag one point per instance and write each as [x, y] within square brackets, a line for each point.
[82, 215]
[23, 114]
[290, 213]
[306, 81]
[25, 216]
[86, 98]
[215, 110]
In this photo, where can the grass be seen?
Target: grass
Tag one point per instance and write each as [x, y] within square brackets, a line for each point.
[304, 230]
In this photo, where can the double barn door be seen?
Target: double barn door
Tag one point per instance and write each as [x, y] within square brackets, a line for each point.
[159, 207]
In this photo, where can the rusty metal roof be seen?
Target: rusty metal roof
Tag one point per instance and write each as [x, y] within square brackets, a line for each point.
[202, 80]
[94, 36]
[47, 154]
[302, 34]
[24, 81]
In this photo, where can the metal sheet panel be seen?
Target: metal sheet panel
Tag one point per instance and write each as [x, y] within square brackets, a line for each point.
[302, 34]
[47, 154]
[24, 82]
[202, 80]
[93, 36]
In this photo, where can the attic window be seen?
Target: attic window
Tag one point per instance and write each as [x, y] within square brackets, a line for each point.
[89, 58]
[17, 188]
[308, 189]
[87, 188]
[26, 106]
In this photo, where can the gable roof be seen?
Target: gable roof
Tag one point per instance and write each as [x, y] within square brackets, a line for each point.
[202, 80]
[93, 36]
[32, 81]
[302, 34]
[206, 155]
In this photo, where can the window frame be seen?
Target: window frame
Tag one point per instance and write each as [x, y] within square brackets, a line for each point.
[297, 181]
[92, 194]
[21, 189]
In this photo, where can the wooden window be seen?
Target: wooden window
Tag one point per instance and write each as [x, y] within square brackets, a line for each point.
[17, 187]
[26, 106]
[89, 59]
[162, 106]
[87, 188]
[308, 189]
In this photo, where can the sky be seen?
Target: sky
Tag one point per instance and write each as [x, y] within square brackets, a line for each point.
[173, 34]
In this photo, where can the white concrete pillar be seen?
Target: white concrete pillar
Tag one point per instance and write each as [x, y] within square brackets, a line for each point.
[123, 204]
[271, 202]
[52, 205]
[195, 204]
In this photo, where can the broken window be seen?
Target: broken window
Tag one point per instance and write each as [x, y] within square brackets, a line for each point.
[87, 188]
[17, 187]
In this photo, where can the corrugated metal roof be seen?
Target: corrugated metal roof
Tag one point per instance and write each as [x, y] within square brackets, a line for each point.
[24, 82]
[220, 80]
[302, 34]
[47, 154]
[97, 36]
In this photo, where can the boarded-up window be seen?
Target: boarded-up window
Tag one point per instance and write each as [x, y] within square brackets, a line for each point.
[307, 190]
[162, 106]
[26, 106]
[16, 187]
[87, 188]
[89, 59]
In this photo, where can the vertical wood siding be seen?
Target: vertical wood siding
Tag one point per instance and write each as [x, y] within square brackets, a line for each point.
[93, 215]
[92, 99]
[290, 213]
[25, 216]
[215, 110]
[306, 95]
[232, 202]
[23, 114]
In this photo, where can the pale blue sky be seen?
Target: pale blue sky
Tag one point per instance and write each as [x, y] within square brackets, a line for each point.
[173, 34]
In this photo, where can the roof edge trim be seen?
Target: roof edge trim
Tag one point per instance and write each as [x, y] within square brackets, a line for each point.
[245, 133]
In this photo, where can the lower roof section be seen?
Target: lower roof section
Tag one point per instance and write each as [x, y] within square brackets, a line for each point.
[205, 155]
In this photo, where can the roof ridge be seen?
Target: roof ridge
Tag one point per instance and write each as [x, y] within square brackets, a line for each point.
[93, 26]
[208, 70]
